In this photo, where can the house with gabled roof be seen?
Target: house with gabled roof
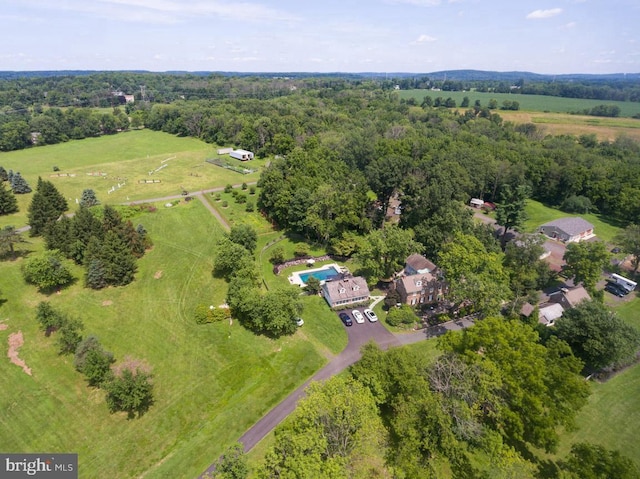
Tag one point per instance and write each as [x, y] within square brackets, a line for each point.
[345, 291]
[569, 229]
[570, 298]
[418, 264]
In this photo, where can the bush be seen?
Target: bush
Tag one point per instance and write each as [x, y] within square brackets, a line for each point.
[228, 188]
[217, 196]
[301, 251]
[250, 207]
[55, 168]
[201, 314]
[244, 186]
[252, 190]
[277, 255]
[47, 270]
[402, 315]
[241, 198]
[225, 203]
[129, 390]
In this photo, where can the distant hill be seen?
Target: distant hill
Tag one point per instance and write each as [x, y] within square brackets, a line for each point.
[454, 75]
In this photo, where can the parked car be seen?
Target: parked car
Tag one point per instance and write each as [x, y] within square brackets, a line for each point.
[357, 315]
[371, 316]
[299, 321]
[345, 319]
[615, 290]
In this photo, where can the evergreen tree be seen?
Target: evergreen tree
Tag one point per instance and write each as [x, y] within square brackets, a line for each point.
[8, 238]
[88, 198]
[95, 278]
[18, 184]
[93, 361]
[69, 335]
[4, 176]
[47, 205]
[8, 202]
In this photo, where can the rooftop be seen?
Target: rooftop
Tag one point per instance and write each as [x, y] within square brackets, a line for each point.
[573, 225]
[418, 262]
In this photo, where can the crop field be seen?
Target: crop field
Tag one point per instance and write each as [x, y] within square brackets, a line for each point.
[118, 163]
[551, 114]
[542, 103]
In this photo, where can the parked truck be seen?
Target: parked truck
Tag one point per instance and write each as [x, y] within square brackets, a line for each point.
[624, 282]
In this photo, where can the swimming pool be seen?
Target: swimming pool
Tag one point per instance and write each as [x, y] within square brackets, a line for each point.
[320, 274]
[323, 274]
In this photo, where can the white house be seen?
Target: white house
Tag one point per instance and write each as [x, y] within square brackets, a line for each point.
[345, 291]
[570, 229]
[242, 155]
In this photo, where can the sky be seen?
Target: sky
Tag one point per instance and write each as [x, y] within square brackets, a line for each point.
[416, 36]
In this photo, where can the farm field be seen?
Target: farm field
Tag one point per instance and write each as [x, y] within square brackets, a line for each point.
[211, 381]
[124, 159]
[551, 114]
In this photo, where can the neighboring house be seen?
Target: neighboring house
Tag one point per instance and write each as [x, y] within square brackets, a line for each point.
[559, 302]
[423, 288]
[570, 229]
[527, 309]
[569, 298]
[242, 155]
[476, 203]
[418, 264]
[548, 314]
[394, 209]
[345, 291]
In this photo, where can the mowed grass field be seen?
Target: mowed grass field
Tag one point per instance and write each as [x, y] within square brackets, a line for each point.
[212, 382]
[126, 159]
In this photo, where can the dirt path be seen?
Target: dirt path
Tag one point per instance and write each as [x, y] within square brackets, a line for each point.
[16, 340]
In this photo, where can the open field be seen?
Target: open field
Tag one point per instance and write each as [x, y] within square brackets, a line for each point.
[604, 228]
[126, 159]
[541, 103]
[551, 114]
[212, 381]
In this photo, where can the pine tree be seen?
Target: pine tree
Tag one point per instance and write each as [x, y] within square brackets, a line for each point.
[8, 202]
[4, 176]
[119, 262]
[18, 184]
[95, 278]
[88, 198]
[47, 205]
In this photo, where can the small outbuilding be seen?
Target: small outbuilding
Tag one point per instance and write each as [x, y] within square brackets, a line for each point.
[567, 230]
[242, 155]
[476, 203]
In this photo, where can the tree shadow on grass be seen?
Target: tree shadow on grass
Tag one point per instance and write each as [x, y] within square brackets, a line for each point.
[15, 255]
[57, 289]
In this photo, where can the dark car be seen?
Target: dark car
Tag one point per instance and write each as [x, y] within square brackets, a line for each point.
[346, 319]
[615, 290]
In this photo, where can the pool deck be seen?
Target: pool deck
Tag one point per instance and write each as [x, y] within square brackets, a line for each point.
[295, 279]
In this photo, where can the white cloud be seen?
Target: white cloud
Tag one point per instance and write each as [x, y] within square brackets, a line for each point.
[570, 25]
[540, 14]
[425, 39]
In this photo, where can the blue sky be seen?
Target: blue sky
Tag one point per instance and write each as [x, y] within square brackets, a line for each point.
[542, 36]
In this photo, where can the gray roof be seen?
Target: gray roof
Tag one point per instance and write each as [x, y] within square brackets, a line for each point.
[420, 263]
[346, 288]
[571, 225]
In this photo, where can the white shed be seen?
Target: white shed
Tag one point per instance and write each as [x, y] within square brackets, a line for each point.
[476, 202]
[242, 155]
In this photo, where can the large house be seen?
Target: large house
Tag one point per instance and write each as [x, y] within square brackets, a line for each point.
[560, 301]
[570, 229]
[420, 282]
[345, 291]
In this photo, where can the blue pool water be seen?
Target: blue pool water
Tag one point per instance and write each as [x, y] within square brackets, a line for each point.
[321, 275]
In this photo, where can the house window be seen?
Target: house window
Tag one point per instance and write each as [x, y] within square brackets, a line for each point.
[418, 283]
[430, 297]
[413, 301]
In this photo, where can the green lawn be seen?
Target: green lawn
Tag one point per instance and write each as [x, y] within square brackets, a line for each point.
[126, 158]
[540, 103]
[236, 213]
[211, 382]
[604, 228]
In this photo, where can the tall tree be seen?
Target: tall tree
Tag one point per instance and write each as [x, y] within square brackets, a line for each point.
[597, 335]
[9, 237]
[510, 211]
[591, 461]
[244, 235]
[585, 262]
[88, 198]
[47, 205]
[129, 389]
[335, 432]
[383, 252]
[8, 202]
[629, 240]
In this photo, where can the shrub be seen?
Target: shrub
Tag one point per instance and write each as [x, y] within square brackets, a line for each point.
[277, 255]
[47, 270]
[241, 198]
[250, 207]
[217, 196]
[55, 168]
[244, 186]
[225, 203]
[252, 190]
[201, 314]
[301, 251]
[228, 188]
[130, 390]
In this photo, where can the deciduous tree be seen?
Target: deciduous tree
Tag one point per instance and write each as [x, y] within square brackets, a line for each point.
[47, 270]
[629, 241]
[510, 211]
[585, 262]
[129, 389]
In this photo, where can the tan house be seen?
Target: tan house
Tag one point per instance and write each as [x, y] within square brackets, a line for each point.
[345, 291]
[421, 288]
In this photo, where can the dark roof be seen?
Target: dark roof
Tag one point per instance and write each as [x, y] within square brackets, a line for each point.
[571, 225]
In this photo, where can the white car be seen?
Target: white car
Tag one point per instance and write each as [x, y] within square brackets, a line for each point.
[371, 316]
[357, 315]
